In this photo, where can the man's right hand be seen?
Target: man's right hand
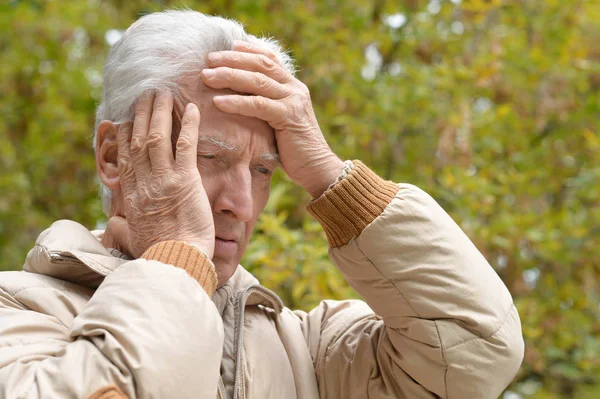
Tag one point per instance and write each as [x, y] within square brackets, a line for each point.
[163, 195]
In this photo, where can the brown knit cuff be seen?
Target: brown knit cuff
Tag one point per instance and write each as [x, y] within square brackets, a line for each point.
[108, 392]
[187, 257]
[352, 204]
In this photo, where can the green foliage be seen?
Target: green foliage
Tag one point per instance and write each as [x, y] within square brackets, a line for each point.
[491, 106]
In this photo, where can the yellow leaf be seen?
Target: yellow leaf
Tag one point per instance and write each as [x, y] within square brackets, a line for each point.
[592, 139]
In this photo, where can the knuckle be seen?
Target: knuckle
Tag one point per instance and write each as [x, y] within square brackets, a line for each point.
[123, 163]
[140, 113]
[136, 145]
[159, 107]
[260, 81]
[130, 200]
[287, 91]
[228, 73]
[155, 139]
[160, 190]
[155, 189]
[303, 90]
[183, 144]
[266, 63]
[159, 170]
[146, 193]
[271, 55]
[260, 103]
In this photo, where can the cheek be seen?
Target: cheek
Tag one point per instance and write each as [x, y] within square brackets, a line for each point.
[261, 197]
[209, 179]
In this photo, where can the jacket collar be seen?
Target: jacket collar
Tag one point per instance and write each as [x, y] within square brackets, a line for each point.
[69, 251]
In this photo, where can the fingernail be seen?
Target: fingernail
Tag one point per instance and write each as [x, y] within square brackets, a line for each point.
[208, 73]
[189, 107]
[214, 57]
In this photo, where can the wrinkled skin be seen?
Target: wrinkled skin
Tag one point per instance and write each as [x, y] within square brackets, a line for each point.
[175, 182]
[284, 103]
[156, 183]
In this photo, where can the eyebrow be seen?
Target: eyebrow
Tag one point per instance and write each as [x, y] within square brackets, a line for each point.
[214, 140]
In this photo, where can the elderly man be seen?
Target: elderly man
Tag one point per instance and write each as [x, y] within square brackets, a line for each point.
[195, 116]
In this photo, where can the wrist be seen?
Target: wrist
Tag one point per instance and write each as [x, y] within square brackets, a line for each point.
[325, 176]
[188, 257]
[352, 204]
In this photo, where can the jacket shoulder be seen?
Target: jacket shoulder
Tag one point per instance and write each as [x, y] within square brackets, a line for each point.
[43, 294]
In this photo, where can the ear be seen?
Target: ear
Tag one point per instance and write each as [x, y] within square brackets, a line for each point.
[106, 154]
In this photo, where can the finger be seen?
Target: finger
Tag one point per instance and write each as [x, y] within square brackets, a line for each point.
[116, 235]
[187, 143]
[244, 82]
[270, 111]
[159, 134]
[124, 162]
[250, 62]
[139, 137]
[240, 45]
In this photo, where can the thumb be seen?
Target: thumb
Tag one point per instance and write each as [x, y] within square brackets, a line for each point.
[117, 235]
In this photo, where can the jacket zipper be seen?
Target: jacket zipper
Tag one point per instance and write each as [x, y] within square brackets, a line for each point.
[239, 391]
[239, 342]
[221, 389]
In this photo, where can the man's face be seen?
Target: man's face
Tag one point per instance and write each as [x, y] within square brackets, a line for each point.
[237, 156]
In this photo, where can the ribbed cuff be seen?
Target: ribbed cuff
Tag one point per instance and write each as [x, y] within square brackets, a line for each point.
[187, 257]
[352, 204]
[108, 392]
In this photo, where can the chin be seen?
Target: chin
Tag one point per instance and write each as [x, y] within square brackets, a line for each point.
[225, 269]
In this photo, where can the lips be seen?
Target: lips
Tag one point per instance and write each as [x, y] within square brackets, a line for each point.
[225, 248]
[226, 237]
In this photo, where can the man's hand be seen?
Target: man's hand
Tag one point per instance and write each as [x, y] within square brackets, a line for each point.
[283, 102]
[163, 195]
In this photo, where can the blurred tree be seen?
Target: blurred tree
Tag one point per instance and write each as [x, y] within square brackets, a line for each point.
[491, 106]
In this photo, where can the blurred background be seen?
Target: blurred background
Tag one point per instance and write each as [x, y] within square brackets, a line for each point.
[490, 106]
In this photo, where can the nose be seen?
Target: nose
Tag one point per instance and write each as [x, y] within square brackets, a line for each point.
[234, 197]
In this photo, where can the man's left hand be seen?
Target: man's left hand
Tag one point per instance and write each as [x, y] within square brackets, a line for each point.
[281, 100]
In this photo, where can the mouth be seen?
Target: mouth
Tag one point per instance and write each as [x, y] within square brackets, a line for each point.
[225, 237]
[225, 247]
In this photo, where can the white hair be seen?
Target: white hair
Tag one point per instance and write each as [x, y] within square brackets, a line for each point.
[156, 52]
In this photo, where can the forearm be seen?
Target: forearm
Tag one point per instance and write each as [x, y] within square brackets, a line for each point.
[402, 235]
[148, 330]
[444, 307]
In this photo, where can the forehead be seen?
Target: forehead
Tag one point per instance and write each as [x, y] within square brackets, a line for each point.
[236, 129]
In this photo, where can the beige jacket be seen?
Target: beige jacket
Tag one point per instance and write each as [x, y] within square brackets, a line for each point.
[80, 322]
